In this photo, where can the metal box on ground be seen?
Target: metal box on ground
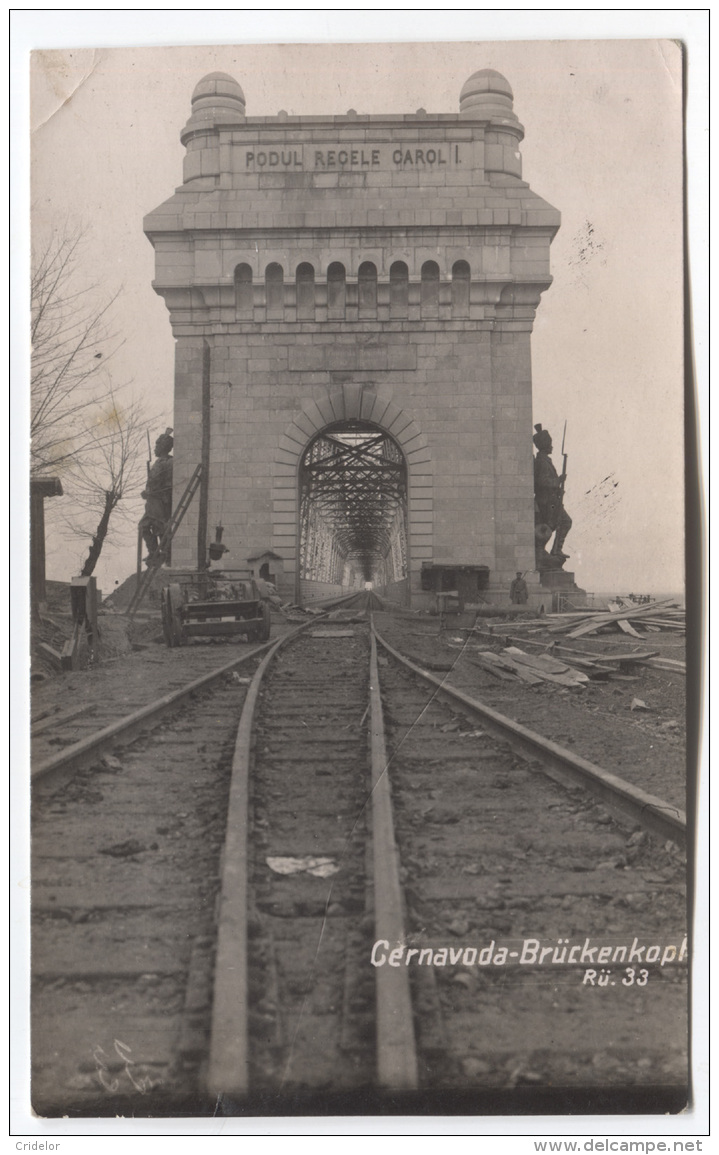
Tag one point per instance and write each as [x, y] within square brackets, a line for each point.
[214, 604]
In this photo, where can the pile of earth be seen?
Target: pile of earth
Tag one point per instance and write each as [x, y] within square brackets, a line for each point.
[123, 594]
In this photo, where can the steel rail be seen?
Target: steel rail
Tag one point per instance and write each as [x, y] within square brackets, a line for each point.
[396, 1048]
[332, 600]
[227, 1071]
[74, 757]
[228, 1061]
[564, 766]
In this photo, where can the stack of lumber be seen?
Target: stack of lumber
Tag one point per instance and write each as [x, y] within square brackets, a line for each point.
[599, 667]
[598, 664]
[629, 618]
[514, 664]
[536, 625]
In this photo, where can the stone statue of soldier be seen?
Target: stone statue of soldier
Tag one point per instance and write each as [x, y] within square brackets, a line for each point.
[550, 516]
[158, 498]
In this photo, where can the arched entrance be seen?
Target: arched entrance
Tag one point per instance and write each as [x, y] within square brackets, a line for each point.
[353, 507]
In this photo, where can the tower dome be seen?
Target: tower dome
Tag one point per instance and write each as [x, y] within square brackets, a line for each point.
[218, 90]
[217, 99]
[487, 95]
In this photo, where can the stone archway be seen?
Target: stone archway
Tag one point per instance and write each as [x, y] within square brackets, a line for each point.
[352, 402]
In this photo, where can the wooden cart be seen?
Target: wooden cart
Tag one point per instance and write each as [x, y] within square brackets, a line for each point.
[214, 604]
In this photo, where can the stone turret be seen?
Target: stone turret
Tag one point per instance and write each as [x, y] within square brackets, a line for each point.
[217, 99]
[488, 96]
[217, 102]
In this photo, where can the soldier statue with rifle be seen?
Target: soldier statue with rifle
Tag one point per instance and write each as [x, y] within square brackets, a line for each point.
[550, 516]
[158, 498]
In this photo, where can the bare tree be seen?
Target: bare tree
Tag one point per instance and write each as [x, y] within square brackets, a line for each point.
[71, 346]
[82, 427]
[109, 471]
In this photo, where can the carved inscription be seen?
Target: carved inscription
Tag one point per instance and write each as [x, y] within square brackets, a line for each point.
[309, 158]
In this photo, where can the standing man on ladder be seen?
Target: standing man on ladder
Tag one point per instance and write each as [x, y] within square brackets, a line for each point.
[158, 500]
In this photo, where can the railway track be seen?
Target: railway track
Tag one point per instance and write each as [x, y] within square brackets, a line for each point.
[389, 901]
[66, 740]
[125, 854]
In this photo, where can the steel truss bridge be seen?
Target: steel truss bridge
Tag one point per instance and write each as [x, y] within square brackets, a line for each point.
[353, 506]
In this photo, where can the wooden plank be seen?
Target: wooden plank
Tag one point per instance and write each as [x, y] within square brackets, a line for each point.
[642, 656]
[48, 652]
[478, 660]
[543, 662]
[575, 678]
[533, 674]
[527, 675]
[627, 628]
[665, 624]
[514, 669]
[518, 625]
[590, 627]
[585, 665]
[71, 650]
[601, 619]
[566, 615]
[668, 664]
[565, 627]
[564, 675]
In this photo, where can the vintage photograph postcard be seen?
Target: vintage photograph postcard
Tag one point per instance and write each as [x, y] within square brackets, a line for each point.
[362, 771]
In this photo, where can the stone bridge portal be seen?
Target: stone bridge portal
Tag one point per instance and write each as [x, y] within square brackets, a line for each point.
[352, 299]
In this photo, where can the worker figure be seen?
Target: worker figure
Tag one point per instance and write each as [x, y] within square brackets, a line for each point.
[550, 514]
[158, 497]
[518, 592]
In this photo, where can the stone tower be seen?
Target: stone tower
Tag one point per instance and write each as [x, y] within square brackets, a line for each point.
[352, 299]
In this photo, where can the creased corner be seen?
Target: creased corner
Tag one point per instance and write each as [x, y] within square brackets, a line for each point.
[56, 78]
[670, 51]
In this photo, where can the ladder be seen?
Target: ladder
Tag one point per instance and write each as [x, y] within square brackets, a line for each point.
[155, 561]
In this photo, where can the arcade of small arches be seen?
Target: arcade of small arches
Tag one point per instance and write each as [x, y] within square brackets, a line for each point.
[343, 297]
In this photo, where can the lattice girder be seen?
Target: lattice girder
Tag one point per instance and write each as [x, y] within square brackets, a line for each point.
[354, 477]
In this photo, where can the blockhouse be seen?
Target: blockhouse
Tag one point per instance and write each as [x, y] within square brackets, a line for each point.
[352, 300]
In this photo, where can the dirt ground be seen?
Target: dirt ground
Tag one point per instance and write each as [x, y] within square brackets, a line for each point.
[646, 746]
[182, 829]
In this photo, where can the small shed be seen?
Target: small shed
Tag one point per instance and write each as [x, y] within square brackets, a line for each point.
[463, 582]
[267, 565]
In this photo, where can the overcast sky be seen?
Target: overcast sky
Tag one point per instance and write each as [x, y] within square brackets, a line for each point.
[603, 144]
